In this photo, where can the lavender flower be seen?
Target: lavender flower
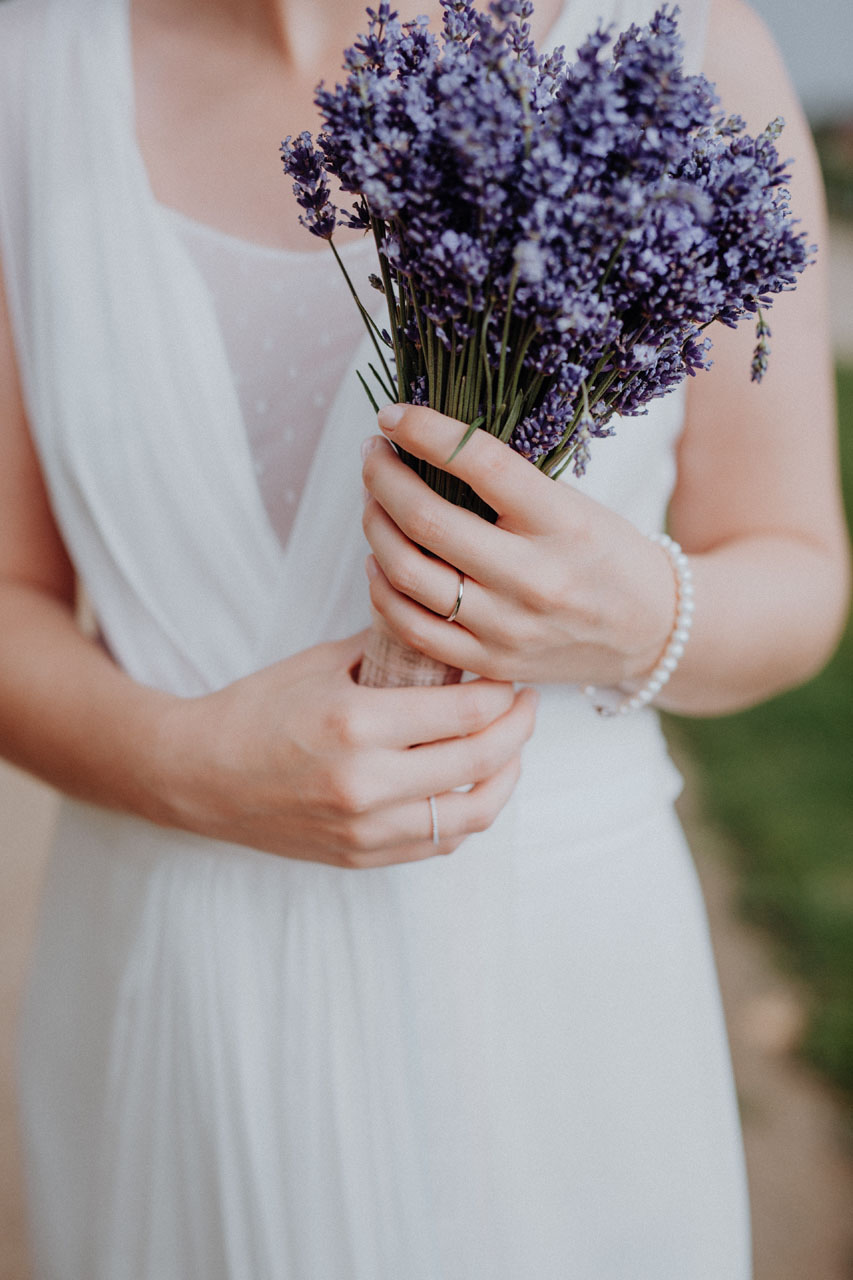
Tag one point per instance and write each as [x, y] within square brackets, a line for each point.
[544, 430]
[310, 185]
[554, 238]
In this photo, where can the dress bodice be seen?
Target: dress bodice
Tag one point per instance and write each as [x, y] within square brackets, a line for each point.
[289, 329]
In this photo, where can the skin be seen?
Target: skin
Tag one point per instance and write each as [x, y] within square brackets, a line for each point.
[298, 760]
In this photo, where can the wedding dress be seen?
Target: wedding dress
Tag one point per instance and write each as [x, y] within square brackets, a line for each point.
[509, 1064]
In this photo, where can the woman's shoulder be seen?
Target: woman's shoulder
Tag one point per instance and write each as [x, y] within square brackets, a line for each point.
[744, 62]
[742, 57]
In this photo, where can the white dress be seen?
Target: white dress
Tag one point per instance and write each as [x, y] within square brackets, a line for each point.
[509, 1064]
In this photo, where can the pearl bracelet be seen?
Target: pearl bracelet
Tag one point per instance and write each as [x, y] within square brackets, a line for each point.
[678, 637]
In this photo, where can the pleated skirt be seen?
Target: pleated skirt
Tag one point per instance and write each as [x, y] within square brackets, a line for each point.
[509, 1063]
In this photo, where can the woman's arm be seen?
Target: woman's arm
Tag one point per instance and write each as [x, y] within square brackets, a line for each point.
[57, 684]
[296, 759]
[758, 496]
[563, 589]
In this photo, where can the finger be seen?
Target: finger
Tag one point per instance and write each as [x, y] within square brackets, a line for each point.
[387, 779]
[423, 630]
[426, 579]
[459, 537]
[434, 768]
[335, 658]
[404, 833]
[510, 484]
[402, 718]
[396, 855]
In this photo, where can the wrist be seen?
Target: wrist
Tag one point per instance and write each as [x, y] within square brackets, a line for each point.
[655, 614]
[638, 691]
[177, 794]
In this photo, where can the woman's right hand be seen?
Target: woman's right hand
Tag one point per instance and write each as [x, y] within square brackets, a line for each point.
[298, 760]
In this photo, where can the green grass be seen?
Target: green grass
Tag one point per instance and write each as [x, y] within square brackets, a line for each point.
[834, 141]
[779, 779]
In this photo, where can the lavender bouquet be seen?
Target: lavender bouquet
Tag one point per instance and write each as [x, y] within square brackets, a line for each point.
[553, 238]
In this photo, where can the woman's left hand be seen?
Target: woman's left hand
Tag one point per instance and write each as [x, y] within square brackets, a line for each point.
[561, 589]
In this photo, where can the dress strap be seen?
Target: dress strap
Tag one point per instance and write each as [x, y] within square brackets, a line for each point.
[132, 401]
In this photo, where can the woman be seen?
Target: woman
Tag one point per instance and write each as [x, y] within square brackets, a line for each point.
[267, 1033]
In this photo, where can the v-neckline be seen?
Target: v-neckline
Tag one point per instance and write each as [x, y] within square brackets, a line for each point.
[164, 218]
[292, 577]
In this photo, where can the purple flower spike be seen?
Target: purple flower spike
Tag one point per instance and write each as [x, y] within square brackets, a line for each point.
[306, 165]
[555, 238]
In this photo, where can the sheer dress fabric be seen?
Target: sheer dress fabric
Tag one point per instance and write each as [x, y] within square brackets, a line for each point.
[508, 1063]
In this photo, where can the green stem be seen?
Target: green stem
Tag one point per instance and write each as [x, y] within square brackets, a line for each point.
[392, 304]
[487, 368]
[504, 340]
[369, 322]
[453, 386]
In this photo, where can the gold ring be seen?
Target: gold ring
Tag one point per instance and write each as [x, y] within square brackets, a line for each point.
[451, 617]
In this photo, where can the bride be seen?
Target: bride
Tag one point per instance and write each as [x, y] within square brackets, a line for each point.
[267, 1034]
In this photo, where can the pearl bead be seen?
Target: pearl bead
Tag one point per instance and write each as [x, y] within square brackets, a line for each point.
[685, 608]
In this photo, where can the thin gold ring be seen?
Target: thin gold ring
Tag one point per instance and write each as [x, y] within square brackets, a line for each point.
[451, 617]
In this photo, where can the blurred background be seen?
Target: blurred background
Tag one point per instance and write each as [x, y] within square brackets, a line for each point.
[769, 808]
[769, 804]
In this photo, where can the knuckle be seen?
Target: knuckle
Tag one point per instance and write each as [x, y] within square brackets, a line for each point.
[351, 859]
[543, 589]
[481, 817]
[367, 517]
[522, 635]
[412, 635]
[475, 707]
[345, 725]
[489, 757]
[347, 792]
[369, 466]
[404, 577]
[425, 522]
[494, 464]
[360, 838]
[499, 665]
[513, 773]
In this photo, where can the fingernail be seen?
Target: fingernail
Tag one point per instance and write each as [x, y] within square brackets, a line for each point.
[371, 567]
[390, 416]
[368, 445]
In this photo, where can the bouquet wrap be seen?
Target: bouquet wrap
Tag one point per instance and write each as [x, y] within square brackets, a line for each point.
[388, 663]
